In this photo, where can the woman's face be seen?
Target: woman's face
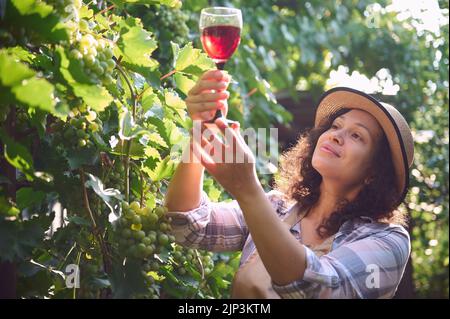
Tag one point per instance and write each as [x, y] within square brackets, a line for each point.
[345, 151]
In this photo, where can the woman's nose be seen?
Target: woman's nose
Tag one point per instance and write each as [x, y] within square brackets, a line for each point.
[336, 137]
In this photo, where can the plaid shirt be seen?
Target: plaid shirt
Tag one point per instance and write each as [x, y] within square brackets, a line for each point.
[367, 258]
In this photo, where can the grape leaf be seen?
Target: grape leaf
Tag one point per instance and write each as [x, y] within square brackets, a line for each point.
[169, 3]
[188, 57]
[27, 89]
[175, 103]
[156, 139]
[77, 158]
[8, 208]
[173, 100]
[38, 17]
[162, 169]
[38, 119]
[184, 83]
[18, 156]
[32, 7]
[151, 152]
[189, 64]
[150, 201]
[173, 132]
[27, 197]
[128, 129]
[149, 99]
[13, 72]
[185, 57]
[17, 240]
[36, 93]
[136, 45]
[136, 150]
[85, 12]
[127, 279]
[94, 95]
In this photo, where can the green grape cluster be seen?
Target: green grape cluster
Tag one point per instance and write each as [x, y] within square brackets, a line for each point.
[174, 21]
[182, 256]
[76, 132]
[95, 55]
[155, 187]
[66, 9]
[163, 19]
[206, 262]
[143, 231]
[153, 289]
[87, 45]
[168, 25]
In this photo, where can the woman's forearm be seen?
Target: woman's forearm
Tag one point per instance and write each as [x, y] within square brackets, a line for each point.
[283, 256]
[185, 187]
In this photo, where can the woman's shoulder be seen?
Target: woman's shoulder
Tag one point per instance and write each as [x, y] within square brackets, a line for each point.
[364, 227]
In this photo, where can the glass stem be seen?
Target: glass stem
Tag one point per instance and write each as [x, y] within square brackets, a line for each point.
[220, 66]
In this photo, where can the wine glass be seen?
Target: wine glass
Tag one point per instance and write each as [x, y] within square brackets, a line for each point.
[220, 29]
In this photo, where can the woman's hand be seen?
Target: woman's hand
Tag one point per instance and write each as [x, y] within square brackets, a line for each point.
[208, 95]
[229, 160]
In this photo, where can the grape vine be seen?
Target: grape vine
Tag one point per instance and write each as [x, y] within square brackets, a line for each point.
[96, 143]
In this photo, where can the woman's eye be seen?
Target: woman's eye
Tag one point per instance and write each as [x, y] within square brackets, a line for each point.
[334, 126]
[356, 136]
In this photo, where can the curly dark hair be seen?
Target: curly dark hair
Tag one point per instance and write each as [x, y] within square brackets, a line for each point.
[299, 181]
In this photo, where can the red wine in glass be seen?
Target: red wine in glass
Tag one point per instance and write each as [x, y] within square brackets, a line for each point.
[220, 36]
[220, 42]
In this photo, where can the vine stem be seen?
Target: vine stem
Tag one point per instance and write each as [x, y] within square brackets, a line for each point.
[130, 87]
[86, 199]
[61, 264]
[128, 143]
[104, 249]
[167, 75]
[142, 183]
[127, 170]
[103, 11]
[74, 294]
[203, 271]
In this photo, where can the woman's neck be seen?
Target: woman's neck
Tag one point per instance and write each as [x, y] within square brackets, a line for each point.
[331, 196]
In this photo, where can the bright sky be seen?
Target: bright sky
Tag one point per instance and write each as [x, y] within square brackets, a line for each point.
[428, 17]
[427, 12]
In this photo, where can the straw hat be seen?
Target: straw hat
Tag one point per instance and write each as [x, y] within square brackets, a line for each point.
[392, 122]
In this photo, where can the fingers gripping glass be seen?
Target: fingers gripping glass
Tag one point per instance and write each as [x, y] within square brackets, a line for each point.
[220, 29]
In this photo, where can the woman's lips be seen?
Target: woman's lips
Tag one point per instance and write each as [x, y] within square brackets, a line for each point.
[329, 150]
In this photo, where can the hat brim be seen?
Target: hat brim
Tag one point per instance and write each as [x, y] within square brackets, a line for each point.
[343, 97]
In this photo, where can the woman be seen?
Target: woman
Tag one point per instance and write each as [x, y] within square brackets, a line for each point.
[331, 228]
